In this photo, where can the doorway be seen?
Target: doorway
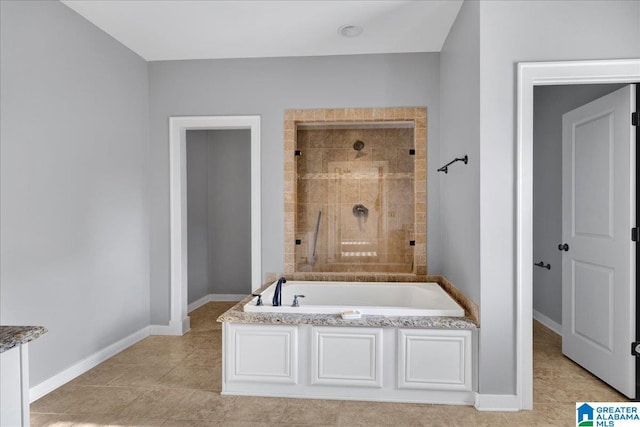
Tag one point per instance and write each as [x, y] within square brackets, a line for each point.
[530, 75]
[178, 126]
[218, 215]
[550, 167]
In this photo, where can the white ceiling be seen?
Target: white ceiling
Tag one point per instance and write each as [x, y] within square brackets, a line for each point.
[187, 29]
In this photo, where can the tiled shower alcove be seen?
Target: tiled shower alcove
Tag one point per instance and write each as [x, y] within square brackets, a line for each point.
[355, 191]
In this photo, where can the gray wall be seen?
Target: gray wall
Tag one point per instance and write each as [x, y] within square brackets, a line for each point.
[230, 211]
[550, 103]
[267, 87]
[460, 130]
[219, 212]
[499, 34]
[197, 215]
[512, 32]
[73, 205]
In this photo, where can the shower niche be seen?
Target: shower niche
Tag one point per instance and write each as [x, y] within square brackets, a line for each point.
[355, 191]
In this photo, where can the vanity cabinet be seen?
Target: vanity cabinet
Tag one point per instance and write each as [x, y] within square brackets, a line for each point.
[14, 373]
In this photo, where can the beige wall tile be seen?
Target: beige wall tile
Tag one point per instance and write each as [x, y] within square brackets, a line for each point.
[322, 148]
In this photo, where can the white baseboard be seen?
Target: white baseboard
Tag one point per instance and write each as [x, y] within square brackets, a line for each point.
[47, 386]
[549, 323]
[497, 402]
[198, 303]
[178, 328]
[214, 297]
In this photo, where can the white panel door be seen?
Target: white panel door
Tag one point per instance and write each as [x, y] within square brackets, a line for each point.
[598, 269]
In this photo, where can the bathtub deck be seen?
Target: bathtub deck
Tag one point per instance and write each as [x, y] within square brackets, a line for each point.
[237, 315]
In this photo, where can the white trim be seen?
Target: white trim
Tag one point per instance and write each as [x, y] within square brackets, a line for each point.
[548, 322]
[430, 397]
[214, 297]
[226, 297]
[47, 386]
[199, 303]
[178, 127]
[178, 328]
[530, 75]
[497, 402]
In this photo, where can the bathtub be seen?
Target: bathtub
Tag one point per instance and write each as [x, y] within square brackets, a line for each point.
[376, 298]
[415, 348]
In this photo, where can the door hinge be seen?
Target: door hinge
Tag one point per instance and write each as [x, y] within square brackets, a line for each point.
[635, 348]
[634, 119]
[635, 234]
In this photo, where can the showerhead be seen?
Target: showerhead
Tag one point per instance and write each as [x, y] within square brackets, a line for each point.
[358, 145]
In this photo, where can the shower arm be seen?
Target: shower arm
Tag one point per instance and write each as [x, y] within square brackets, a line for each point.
[445, 168]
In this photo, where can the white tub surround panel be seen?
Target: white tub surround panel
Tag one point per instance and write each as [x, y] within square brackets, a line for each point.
[349, 363]
[346, 356]
[263, 355]
[434, 359]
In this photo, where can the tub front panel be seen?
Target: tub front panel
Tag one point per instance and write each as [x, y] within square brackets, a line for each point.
[262, 353]
[434, 359]
[347, 356]
[352, 363]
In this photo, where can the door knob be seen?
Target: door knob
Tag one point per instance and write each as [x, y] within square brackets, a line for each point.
[563, 247]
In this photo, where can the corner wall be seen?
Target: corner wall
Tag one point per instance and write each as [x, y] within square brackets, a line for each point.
[197, 215]
[512, 32]
[74, 214]
[460, 135]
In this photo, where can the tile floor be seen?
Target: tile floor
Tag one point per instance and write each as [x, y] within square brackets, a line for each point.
[175, 381]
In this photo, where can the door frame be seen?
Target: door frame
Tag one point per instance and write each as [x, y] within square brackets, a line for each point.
[178, 126]
[532, 74]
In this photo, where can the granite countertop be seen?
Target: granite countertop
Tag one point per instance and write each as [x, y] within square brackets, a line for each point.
[11, 336]
[236, 315]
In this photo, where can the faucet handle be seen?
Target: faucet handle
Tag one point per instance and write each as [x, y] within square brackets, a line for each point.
[259, 302]
[295, 300]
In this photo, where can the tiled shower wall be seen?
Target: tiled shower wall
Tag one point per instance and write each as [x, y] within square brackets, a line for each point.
[371, 201]
[355, 187]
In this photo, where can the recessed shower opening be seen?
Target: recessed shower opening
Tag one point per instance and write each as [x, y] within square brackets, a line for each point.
[355, 191]
[355, 187]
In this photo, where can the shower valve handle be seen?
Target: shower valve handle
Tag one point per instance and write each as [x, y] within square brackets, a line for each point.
[295, 300]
